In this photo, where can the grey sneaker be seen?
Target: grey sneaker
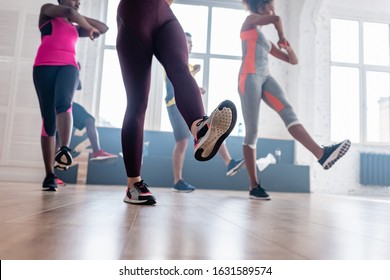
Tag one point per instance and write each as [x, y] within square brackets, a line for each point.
[182, 186]
[333, 153]
[259, 193]
[139, 194]
[234, 166]
[213, 130]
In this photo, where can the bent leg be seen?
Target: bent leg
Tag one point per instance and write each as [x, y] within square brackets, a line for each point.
[275, 98]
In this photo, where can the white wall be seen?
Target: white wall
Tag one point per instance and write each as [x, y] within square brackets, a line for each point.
[314, 92]
[307, 86]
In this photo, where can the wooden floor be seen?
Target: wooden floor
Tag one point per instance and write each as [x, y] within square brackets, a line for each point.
[91, 222]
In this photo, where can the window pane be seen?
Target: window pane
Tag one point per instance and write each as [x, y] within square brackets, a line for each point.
[378, 105]
[376, 43]
[113, 95]
[110, 36]
[194, 20]
[344, 41]
[223, 85]
[225, 31]
[345, 114]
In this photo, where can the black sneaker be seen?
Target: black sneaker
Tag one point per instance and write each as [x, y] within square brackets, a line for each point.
[259, 193]
[63, 158]
[213, 130]
[139, 194]
[333, 153]
[49, 184]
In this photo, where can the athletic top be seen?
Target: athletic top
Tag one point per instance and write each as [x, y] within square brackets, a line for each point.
[255, 50]
[58, 43]
[170, 97]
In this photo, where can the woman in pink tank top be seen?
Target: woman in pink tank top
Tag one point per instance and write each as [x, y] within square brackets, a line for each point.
[55, 75]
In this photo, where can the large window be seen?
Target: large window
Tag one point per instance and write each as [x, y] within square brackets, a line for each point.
[360, 81]
[216, 47]
[112, 96]
[216, 41]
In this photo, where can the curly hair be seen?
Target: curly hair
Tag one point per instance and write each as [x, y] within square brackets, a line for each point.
[253, 5]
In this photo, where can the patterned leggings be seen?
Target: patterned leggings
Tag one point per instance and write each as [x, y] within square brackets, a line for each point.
[254, 88]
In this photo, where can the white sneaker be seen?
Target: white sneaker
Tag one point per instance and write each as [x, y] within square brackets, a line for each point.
[262, 163]
[213, 130]
[139, 194]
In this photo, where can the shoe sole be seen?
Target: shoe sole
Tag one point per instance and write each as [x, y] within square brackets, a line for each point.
[234, 171]
[259, 198]
[103, 158]
[337, 154]
[61, 166]
[223, 120]
[140, 202]
[49, 189]
[182, 191]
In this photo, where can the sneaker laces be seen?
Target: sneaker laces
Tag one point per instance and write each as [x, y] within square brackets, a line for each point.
[202, 131]
[141, 187]
[205, 118]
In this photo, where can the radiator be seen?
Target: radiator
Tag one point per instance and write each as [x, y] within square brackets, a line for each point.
[375, 169]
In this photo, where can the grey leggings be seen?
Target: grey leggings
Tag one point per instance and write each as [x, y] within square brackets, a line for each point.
[253, 88]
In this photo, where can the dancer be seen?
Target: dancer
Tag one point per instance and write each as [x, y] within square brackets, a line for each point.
[55, 75]
[82, 119]
[181, 134]
[147, 28]
[256, 83]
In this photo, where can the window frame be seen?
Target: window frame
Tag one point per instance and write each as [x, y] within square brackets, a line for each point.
[363, 69]
[155, 99]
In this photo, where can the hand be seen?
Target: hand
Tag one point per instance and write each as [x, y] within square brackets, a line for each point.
[196, 68]
[283, 43]
[93, 33]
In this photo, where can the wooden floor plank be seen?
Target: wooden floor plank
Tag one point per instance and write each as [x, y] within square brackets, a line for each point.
[92, 222]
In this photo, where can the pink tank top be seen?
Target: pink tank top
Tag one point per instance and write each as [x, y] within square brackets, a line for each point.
[58, 45]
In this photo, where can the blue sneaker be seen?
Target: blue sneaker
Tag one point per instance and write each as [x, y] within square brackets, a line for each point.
[333, 153]
[182, 186]
[259, 193]
[234, 166]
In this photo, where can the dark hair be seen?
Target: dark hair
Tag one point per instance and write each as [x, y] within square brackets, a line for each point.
[253, 5]
[188, 34]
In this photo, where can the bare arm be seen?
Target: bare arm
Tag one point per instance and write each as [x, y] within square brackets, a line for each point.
[254, 20]
[102, 27]
[49, 11]
[286, 53]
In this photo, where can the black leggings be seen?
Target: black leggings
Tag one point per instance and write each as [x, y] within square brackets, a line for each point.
[55, 86]
[147, 28]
